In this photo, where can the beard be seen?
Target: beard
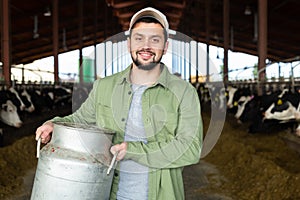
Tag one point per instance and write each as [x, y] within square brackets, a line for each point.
[147, 66]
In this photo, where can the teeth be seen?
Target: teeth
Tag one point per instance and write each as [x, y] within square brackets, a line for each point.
[146, 55]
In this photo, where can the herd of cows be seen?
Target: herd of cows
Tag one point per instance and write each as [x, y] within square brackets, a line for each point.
[275, 109]
[21, 102]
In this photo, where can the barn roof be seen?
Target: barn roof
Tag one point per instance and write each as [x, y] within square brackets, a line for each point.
[104, 18]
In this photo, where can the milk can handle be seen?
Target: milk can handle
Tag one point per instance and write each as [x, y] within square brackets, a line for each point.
[38, 146]
[112, 163]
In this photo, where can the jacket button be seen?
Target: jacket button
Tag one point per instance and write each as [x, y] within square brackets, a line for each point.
[116, 174]
[129, 93]
[123, 119]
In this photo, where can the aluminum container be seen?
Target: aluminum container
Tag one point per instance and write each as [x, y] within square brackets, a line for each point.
[74, 164]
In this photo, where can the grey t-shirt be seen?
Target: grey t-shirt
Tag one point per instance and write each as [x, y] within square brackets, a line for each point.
[133, 183]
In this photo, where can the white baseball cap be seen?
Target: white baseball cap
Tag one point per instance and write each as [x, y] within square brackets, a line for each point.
[150, 12]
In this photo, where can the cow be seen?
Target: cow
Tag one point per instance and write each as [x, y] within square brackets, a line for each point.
[285, 107]
[202, 92]
[48, 97]
[9, 114]
[237, 96]
[41, 99]
[230, 91]
[26, 99]
[59, 95]
[62, 95]
[242, 102]
[271, 112]
[16, 99]
[216, 96]
[250, 105]
[280, 111]
[8, 110]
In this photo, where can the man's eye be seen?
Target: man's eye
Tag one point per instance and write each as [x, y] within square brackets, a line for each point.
[156, 40]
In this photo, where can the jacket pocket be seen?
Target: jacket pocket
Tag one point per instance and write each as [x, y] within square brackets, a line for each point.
[105, 117]
[165, 127]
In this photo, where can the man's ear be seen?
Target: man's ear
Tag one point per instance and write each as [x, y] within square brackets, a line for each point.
[166, 47]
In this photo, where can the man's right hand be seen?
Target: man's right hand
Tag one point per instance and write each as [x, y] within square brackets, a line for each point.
[44, 132]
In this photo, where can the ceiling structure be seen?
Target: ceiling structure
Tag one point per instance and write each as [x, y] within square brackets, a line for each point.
[31, 33]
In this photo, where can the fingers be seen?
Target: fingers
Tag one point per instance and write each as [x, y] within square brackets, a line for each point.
[38, 133]
[44, 132]
[121, 148]
[121, 155]
[114, 149]
[46, 139]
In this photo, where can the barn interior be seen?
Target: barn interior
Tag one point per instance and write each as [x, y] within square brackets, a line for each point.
[90, 22]
[37, 29]
[31, 30]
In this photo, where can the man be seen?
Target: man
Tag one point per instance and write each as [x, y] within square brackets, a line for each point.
[156, 116]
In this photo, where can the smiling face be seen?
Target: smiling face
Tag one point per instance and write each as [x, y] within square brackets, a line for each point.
[147, 45]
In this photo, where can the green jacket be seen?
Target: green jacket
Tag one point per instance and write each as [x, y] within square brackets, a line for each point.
[172, 121]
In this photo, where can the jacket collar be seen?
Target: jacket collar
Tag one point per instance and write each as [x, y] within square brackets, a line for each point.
[162, 79]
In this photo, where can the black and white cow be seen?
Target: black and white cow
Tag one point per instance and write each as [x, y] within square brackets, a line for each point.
[213, 94]
[9, 114]
[59, 95]
[12, 95]
[270, 112]
[230, 93]
[285, 107]
[26, 99]
[48, 97]
[241, 105]
[8, 111]
[216, 96]
[237, 96]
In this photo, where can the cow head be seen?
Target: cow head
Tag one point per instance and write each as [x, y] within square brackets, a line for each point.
[26, 98]
[9, 115]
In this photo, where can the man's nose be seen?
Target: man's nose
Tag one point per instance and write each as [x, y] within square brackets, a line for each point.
[146, 43]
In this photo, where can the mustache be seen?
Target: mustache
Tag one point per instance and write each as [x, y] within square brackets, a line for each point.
[146, 51]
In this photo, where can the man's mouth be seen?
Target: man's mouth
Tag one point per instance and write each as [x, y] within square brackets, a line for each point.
[145, 55]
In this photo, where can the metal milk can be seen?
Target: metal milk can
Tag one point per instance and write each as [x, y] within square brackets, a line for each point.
[74, 164]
